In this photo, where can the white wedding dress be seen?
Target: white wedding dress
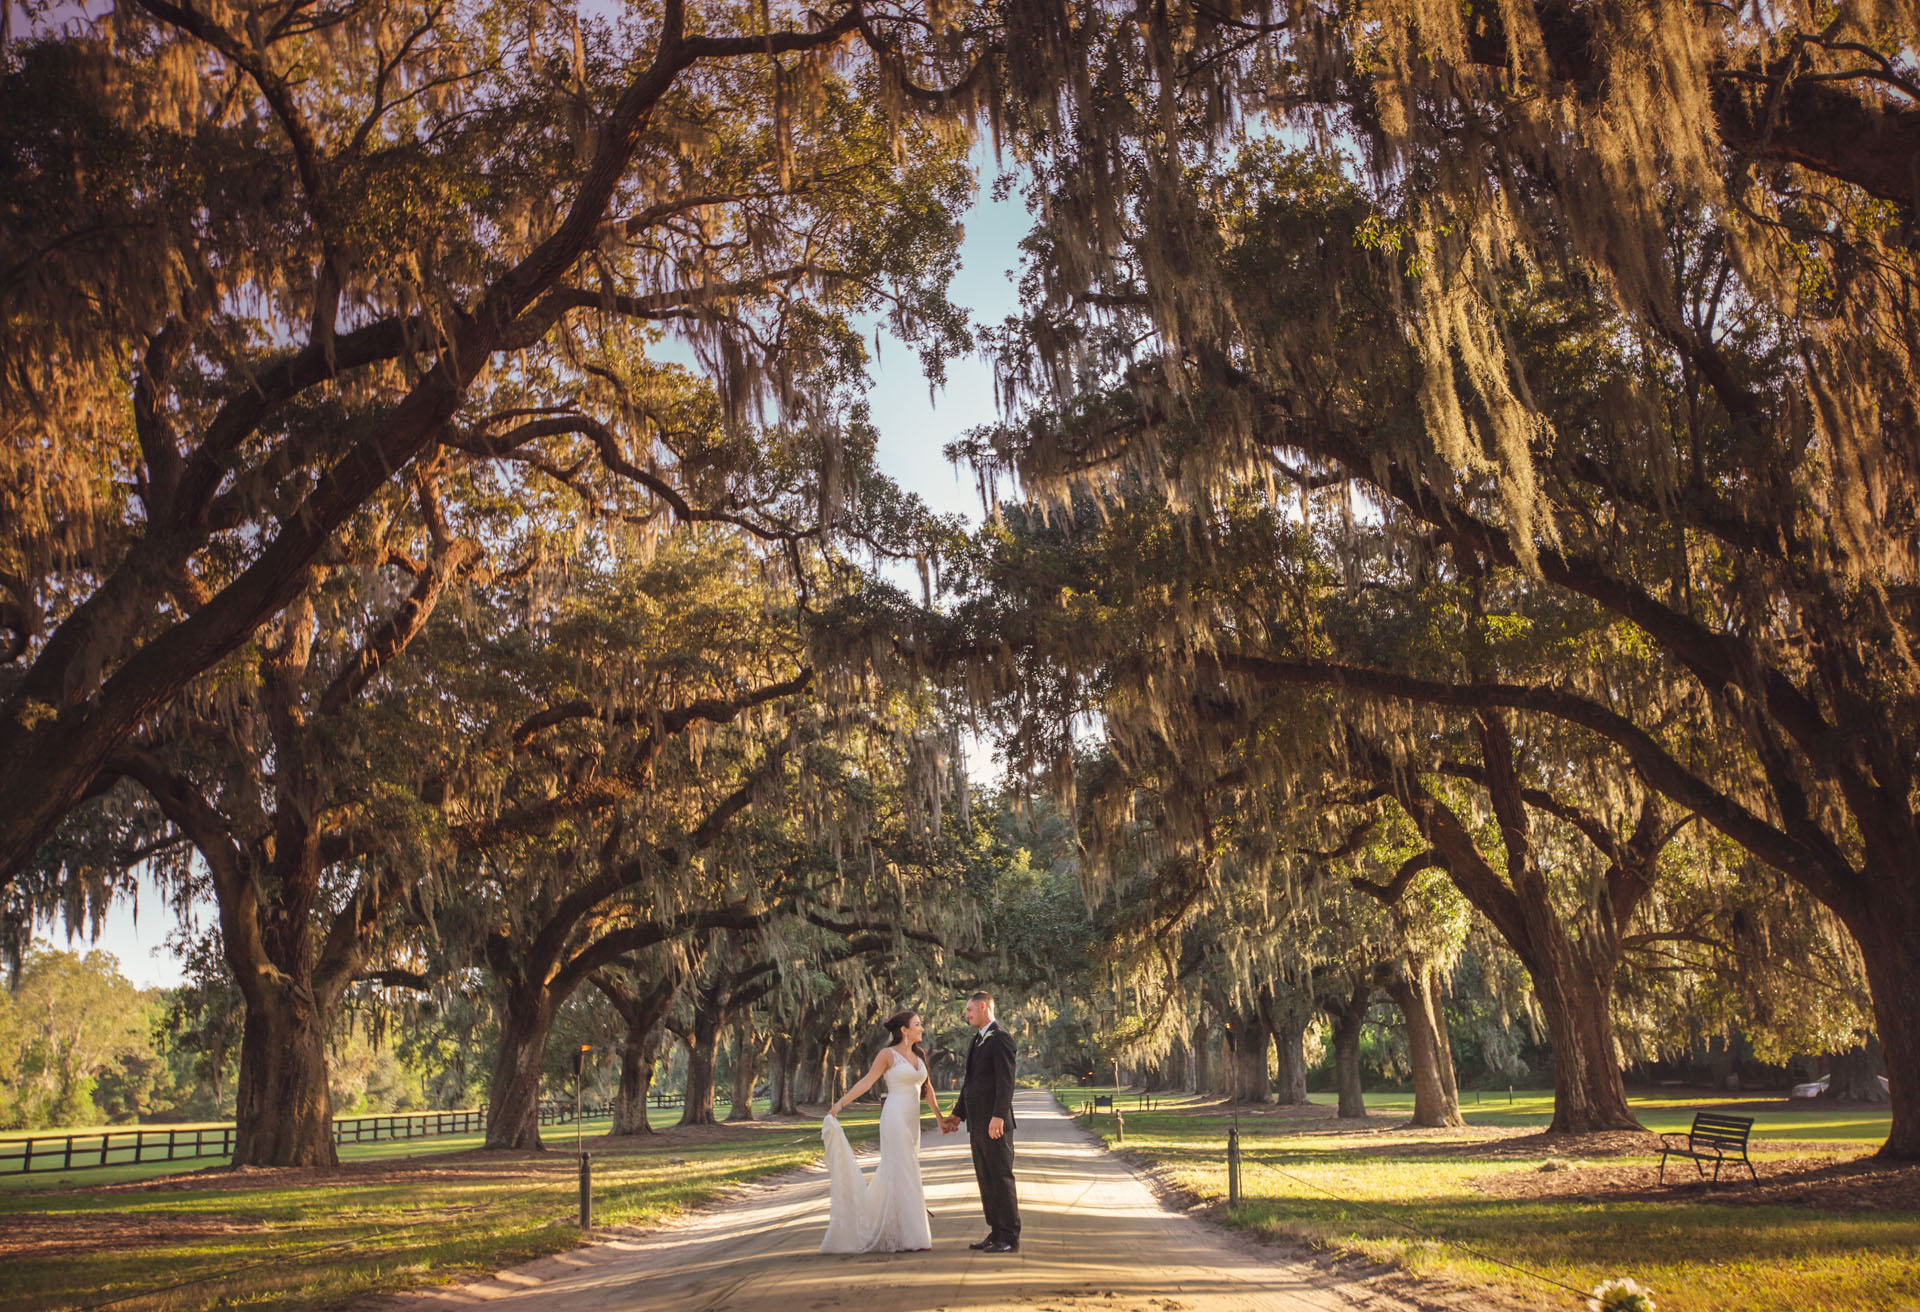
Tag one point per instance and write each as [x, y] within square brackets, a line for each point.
[887, 1213]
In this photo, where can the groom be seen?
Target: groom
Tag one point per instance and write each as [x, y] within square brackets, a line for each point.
[986, 1105]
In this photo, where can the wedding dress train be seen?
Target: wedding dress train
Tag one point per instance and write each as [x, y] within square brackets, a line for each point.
[887, 1213]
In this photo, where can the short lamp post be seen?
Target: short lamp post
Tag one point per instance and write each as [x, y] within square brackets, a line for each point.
[579, 1146]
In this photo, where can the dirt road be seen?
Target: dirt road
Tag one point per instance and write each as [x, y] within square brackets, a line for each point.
[1095, 1238]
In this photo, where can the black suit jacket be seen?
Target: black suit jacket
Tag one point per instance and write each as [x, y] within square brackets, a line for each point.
[986, 1090]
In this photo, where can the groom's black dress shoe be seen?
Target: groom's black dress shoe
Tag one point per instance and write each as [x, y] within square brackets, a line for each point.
[979, 1244]
[997, 1247]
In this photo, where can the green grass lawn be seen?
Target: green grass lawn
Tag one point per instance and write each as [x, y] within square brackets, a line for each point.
[399, 1216]
[1408, 1198]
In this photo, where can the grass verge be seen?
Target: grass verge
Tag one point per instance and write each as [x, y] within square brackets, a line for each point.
[438, 1214]
[1419, 1200]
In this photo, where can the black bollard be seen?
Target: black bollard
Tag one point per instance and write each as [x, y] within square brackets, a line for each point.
[586, 1191]
[1233, 1168]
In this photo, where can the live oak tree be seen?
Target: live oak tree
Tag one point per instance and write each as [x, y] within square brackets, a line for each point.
[640, 988]
[901, 919]
[1708, 433]
[1385, 923]
[1572, 966]
[1260, 933]
[311, 820]
[870, 930]
[637, 721]
[1173, 624]
[310, 826]
[754, 849]
[235, 223]
[384, 738]
[731, 978]
[264, 432]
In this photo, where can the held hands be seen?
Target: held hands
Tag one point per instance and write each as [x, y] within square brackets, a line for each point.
[948, 1124]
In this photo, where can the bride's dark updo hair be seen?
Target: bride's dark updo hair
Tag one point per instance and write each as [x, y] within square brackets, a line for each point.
[896, 1026]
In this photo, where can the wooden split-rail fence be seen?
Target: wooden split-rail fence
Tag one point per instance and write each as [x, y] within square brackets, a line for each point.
[135, 1145]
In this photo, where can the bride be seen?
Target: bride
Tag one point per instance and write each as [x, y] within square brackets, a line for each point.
[887, 1214]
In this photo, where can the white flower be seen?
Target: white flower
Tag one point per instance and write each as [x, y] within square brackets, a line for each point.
[1621, 1295]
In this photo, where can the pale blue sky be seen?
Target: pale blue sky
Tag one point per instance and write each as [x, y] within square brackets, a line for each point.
[914, 430]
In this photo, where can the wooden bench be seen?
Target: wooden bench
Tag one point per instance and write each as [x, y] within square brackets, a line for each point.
[1101, 1100]
[1713, 1138]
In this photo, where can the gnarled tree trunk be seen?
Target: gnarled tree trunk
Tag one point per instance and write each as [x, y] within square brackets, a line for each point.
[836, 1064]
[283, 1105]
[642, 1003]
[1572, 972]
[1285, 1012]
[1443, 1037]
[1170, 1073]
[1589, 1092]
[782, 1059]
[1433, 1106]
[813, 1071]
[1886, 934]
[1349, 1018]
[703, 1040]
[513, 1096]
[284, 1108]
[1886, 928]
[747, 1051]
[637, 1060]
[1290, 1079]
[1251, 1081]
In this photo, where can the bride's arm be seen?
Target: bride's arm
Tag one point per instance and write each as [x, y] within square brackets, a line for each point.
[879, 1065]
[933, 1099]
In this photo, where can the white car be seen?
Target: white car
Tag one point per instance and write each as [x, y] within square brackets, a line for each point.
[1819, 1086]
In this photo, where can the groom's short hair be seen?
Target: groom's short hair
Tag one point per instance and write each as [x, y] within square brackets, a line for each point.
[980, 995]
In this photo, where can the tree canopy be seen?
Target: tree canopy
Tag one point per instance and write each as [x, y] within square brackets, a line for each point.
[1450, 550]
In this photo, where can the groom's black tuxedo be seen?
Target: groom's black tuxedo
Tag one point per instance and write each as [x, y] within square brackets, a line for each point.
[986, 1091]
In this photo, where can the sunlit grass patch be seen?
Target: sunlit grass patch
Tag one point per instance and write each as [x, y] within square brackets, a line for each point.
[1416, 1199]
[297, 1239]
